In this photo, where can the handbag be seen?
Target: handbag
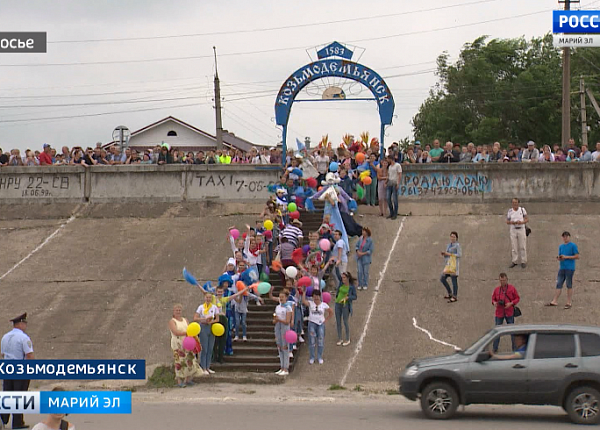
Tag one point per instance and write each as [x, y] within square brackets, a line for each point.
[450, 267]
[517, 312]
[527, 229]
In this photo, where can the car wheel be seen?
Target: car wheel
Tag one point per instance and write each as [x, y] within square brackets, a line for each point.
[439, 401]
[583, 405]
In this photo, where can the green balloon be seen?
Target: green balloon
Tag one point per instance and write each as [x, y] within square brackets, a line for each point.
[264, 288]
[360, 192]
[264, 277]
[292, 207]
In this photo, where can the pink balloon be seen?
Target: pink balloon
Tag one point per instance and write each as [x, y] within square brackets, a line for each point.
[189, 343]
[235, 233]
[325, 245]
[291, 336]
[326, 297]
[268, 234]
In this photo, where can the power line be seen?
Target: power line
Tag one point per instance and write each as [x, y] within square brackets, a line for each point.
[287, 27]
[264, 51]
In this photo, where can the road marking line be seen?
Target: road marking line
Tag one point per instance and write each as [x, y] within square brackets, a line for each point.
[40, 246]
[433, 338]
[370, 313]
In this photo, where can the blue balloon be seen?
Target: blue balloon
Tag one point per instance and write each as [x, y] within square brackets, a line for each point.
[352, 205]
[322, 284]
[225, 278]
[333, 166]
[297, 172]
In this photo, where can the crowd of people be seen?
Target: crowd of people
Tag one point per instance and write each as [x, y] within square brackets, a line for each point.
[277, 244]
[413, 153]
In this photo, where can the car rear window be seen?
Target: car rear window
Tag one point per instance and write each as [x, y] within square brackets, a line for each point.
[590, 344]
[554, 345]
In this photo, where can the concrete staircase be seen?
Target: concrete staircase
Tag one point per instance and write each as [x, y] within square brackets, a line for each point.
[259, 353]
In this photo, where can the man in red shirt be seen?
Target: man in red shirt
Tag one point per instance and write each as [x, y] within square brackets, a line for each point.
[504, 299]
[45, 157]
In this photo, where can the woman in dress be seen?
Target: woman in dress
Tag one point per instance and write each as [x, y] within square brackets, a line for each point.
[319, 313]
[186, 366]
[453, 248]
[206, 315]
[344, 296]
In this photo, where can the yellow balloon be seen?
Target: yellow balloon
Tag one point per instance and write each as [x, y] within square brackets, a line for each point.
[218, 329]
[193, 329]
[365, 173]
[268, 224]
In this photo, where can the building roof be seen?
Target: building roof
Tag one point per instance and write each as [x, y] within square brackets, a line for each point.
[229, 139]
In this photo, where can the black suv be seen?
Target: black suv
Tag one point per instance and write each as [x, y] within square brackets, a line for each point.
[553, 365]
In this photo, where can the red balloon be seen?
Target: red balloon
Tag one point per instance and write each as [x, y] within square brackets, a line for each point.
[311, 182]
[304, 281]
[360, 157]
[294, 215]
[297, 255]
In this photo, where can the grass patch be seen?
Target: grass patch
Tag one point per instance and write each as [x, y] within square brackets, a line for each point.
[392, 392]
[163, 377]
[336, 387]
[358, 388]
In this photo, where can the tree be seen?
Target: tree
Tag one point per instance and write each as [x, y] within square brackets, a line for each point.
[506, 90]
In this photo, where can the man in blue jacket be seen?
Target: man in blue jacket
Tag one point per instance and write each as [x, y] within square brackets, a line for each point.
[364, 250]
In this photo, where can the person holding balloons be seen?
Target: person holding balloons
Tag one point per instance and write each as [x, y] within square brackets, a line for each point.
[186, 365]
[282, 319]
[371, 183]
[319, 313]
[207, 314]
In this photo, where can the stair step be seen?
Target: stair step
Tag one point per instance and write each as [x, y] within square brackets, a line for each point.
[248, 367]
[247, 349]
[270, 359]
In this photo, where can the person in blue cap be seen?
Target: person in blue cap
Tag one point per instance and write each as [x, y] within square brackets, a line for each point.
[16, 345]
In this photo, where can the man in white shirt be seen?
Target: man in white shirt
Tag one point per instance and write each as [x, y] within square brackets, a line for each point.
[321, 161]
[516, 219]
[393, 181]
[596, 153]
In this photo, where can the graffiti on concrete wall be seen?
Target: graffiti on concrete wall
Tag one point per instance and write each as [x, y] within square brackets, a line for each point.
[33, 185]
[444, 184]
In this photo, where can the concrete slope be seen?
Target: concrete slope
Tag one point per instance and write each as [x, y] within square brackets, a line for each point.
[105, 287]
[411, 288]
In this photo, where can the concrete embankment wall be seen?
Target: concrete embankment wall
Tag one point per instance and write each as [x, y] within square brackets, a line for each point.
[465, 183]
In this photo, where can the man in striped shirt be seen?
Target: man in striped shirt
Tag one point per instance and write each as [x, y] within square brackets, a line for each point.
[293, 233]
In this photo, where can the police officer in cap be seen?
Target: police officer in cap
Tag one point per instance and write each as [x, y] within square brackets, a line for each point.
[16, 345]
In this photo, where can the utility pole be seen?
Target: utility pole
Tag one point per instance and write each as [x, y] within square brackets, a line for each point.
[219, 120]
[566, 88]
[584, 131]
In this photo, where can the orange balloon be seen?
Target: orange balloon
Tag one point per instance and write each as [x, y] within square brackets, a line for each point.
[276, 266]
[360, 157]
[367, 180]
[320, 188]
[240, 285]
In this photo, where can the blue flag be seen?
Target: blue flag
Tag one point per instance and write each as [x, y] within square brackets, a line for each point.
[301, 146]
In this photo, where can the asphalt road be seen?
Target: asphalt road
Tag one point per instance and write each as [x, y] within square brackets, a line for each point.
[331, 415]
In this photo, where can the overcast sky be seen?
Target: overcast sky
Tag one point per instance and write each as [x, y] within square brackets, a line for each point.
[125, 90]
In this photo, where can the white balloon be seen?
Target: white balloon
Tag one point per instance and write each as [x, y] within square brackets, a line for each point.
[291, 272]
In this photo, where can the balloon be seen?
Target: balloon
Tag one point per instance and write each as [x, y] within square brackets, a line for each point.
[297, 255]
[276, 265]
[291, 336]
[326, 297]
[309, 291]
[320, 188]
[306, 249]
[367, 180]
[264, 277]
[268, 224]
[189, 277]
[193, 329]
[254, 287]
[253, 274]
[360, 158]
[268, 234]
[297, 172]
[264, 288]
[240, 285]
[360, 192]
[291, 272]
[333, 166]
[189, 343]
[292, 207]
[365, 173]
[322, 283]
[311, 182]
[235, 233]
[294, 214]
[218, 329]
[325, 245]
[304, 281]
[352, 205]
[266, 269]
